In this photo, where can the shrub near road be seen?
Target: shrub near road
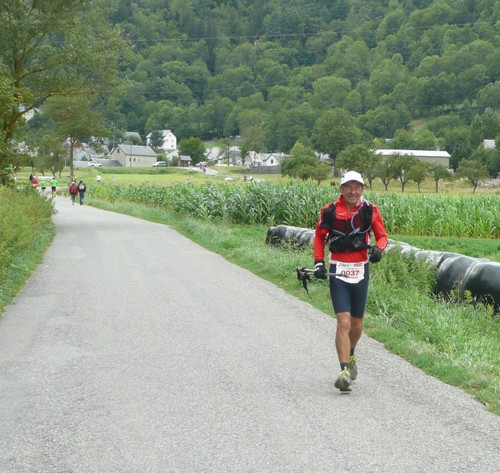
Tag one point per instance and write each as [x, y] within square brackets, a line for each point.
[25, 233]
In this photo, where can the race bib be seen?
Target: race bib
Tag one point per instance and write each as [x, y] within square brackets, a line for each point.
[353, 272]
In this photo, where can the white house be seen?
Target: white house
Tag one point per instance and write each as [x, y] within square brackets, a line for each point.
[427, 156]
[265, 159]
[134, 156]
[489, 144]
[169, 146]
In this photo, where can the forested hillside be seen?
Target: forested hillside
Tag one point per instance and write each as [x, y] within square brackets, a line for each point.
[266, 70]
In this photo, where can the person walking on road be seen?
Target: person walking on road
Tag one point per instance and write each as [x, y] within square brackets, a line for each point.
[53, 186]
[73, 191]
[43, 185]
[81, 191]
[344, 226]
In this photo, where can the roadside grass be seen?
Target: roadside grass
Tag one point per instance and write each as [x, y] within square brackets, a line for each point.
[25, 233]
[455, 342]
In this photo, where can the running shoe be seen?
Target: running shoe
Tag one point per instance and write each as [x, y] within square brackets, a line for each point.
[344, 381]
[353, 367]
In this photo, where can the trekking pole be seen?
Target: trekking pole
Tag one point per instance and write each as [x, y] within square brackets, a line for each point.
[304, 275]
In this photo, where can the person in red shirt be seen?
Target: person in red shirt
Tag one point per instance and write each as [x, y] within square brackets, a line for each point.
[344, 227]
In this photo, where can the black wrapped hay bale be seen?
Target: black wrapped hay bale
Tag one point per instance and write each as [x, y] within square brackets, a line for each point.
[455, 272]
[451, 272]
[285, 234]
[483, 281]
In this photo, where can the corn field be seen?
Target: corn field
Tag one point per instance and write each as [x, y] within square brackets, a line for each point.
[298, 204]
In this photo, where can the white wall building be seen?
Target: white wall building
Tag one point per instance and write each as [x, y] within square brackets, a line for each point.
[169, 146]
[428, 156]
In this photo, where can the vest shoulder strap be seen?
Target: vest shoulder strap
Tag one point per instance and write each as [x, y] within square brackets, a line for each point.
[328, 217]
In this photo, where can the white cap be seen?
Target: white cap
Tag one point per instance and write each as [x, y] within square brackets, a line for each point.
[352, 176]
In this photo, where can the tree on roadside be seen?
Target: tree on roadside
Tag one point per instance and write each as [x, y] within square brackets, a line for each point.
[75, 119]
[48, 49]
[438, 172]
[50, 155]
[472, 171]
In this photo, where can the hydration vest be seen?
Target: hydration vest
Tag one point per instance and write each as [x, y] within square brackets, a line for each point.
[346, 236]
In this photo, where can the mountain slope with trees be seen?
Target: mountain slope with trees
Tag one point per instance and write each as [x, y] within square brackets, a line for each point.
[272, 71]
[225, 68]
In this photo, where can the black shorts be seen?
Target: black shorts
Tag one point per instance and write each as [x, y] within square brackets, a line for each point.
[348, 297]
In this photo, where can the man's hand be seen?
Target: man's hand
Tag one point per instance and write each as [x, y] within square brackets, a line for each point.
[320, 270]
[375, 254]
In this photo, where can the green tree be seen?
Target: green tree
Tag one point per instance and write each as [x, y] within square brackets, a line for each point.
[61, 47]
[253, 140]
[400, 165]
[458, 144]
[330, 92]
[334, 131]
[76, 119]
[384, 171]
[488, 157]
[485, 126]
[192, 147]
[383, 121]
[438, 172]
[359, 158]
[51, 154]
[156, 139]
[418, 172]
[322, 172]
[300, 157]
[472, 171]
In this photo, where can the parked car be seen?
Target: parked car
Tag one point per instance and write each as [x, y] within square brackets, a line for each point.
[95, 165]
[159, 164]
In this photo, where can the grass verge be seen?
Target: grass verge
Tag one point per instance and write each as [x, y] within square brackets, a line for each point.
[455, 342]
[25, 233]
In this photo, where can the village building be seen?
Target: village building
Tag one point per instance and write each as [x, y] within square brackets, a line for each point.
[427, 156]
[184, 161]
[133, 156]
[169, 146]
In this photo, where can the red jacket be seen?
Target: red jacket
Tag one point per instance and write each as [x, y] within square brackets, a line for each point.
[343, 213]
[73, 189]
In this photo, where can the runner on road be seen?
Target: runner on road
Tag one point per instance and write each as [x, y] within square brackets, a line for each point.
[344, 227]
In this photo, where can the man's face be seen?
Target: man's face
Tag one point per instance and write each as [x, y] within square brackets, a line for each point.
[352, 192]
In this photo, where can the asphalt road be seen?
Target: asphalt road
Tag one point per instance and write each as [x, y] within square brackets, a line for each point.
[132, 349]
